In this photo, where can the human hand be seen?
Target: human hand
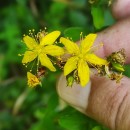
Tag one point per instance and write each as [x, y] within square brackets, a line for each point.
[102, 99]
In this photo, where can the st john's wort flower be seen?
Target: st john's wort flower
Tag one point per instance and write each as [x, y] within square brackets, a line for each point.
[40, 46]
[80, 57]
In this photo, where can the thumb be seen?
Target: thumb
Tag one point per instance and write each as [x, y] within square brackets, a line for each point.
[104, 100]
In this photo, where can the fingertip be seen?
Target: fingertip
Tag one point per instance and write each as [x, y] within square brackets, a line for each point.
[120, 9]
[76, 96]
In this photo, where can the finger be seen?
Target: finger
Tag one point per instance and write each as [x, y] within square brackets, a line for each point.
[121, 9]
[115, 38]
[102, 99]
[75, 96]
[109, 102]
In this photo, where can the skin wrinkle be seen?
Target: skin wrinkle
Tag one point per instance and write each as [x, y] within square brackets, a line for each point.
[114, 104]
[126, 118]
[123, 121]
[95, 100]
[111, 106]
[117, 119]
[113, 96]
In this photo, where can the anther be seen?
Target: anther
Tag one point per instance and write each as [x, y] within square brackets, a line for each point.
[19, 55]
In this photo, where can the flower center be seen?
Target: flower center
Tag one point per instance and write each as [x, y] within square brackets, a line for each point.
[39, 49]
[81, 56]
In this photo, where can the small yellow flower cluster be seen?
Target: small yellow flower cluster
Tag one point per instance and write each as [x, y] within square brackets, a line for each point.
[32, 80]
[42, 46]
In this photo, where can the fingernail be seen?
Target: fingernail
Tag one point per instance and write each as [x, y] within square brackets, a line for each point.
[76, 95]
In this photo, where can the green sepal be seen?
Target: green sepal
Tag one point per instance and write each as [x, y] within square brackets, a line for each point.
[70, 80]
[118, 67]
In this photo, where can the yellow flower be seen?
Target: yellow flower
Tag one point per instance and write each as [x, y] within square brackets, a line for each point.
[40, 47]
[32, 80]
[80, 57]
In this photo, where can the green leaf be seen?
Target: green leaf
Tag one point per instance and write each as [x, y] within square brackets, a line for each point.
[3, 70]
[118, 67]
[127, 70]
[109, 20]
[97, 128]
[79, 3]
[74, 33]
[70, 80]
[77, 18]
[70, 119]
[98, 17]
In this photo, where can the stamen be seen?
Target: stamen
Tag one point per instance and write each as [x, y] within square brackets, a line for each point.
[37, 64]
[107, 71]
[96, 47]
[110, 2]
[93, 65]
[20, 54]
[81, 36]
[22, 41]
[59, 58]
[33, 64]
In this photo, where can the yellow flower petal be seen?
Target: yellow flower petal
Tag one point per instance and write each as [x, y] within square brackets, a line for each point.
[30, 42]
[83, 72]
[71, 47]
[50, 38]
[87, 43]
[92, 58]
[29, 56]
[45, 61]
[32, 80]
[70, 65]
[53, 50]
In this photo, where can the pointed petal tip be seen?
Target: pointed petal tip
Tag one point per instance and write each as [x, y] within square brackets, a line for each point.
[83, 84]
[24, 61]
[50, 38]
[58, 32]
[54, 69]
[92, 35]
[61, 39]
[65, 74]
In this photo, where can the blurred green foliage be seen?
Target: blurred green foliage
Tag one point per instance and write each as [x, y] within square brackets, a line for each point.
[22, 108]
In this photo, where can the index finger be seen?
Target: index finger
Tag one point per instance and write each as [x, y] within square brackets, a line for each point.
[115, 38]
